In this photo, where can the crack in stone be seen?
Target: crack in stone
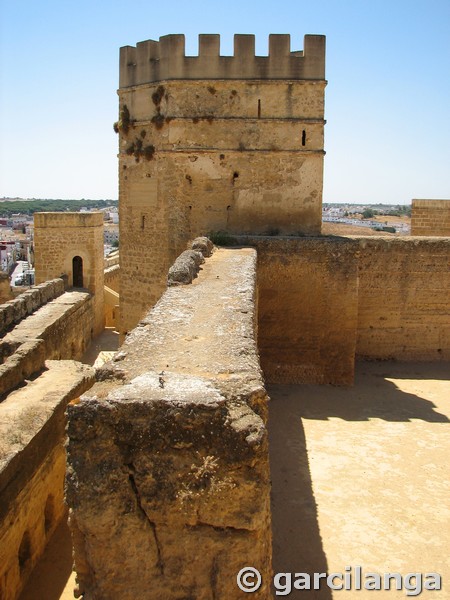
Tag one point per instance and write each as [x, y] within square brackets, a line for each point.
[219, 528]
[160, 563]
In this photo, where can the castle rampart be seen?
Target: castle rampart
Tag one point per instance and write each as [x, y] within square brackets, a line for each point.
[177, 429]
[325, 301]
[166, 59]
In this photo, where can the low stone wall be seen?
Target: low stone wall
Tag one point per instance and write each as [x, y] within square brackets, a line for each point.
[62, 329]
[168, 477]
[13, 311]
[32, 468]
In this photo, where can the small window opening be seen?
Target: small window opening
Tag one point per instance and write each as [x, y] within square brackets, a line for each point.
[24, 551]
[142, 221]
[77, 271]
[235, 175]
[259, 109]
[304, 137]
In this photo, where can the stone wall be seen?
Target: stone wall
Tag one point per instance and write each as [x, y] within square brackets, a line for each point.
[210, 148]
[404, 299]
[430, 217]
[308, 309]
[324, 301]
[168, 480]
[32, 468]
[58, 239]
[112, 277]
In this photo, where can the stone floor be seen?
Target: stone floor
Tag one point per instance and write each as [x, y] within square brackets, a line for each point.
[360, 478]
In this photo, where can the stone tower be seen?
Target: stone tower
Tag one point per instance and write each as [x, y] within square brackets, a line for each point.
[72, 244]
[214, 143]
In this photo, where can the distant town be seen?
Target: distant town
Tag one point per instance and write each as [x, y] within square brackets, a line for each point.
[16, 226]
[380, 218]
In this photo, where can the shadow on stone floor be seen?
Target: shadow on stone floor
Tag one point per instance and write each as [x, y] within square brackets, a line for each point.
[373, 396]
[297, 544]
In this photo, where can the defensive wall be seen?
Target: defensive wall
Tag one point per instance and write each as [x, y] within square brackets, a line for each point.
[212, 143]
[176, 420]
[325, 301]
[430, 217]
[72, 243]
[41, 324]
[177, 498]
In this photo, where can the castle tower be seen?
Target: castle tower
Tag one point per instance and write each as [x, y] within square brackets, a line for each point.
[211, 142]
[72, 244]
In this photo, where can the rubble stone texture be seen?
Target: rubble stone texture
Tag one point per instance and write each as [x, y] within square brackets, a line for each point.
[168, 475]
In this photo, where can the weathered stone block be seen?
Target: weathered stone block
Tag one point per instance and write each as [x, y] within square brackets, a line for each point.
[203, 245]
[185, 268]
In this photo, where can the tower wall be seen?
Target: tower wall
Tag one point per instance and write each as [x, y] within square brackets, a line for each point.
[58, 238]
[214, 143]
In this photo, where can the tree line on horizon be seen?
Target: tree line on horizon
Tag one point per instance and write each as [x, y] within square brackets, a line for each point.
[29, 207]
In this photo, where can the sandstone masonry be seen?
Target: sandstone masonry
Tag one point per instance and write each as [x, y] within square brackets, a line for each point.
[430, 217]
[72, 244]
[212, 143]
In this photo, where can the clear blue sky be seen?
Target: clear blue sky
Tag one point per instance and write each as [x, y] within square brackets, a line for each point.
[387, 100]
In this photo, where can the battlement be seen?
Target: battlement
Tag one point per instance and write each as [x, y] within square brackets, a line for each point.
[151, 61]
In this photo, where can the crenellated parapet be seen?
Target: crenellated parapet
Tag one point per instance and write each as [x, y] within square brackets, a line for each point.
[165, 59]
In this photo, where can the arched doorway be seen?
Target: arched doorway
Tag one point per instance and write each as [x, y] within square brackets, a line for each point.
[77, 271]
